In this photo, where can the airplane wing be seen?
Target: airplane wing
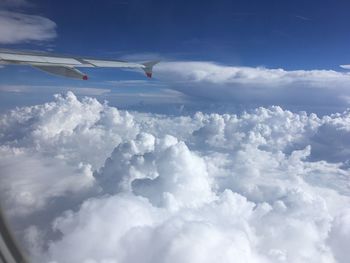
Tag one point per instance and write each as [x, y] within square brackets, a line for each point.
[66, 71]
[66, 66]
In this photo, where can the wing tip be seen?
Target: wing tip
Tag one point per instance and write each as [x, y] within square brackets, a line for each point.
[148, 67]
[85, 77]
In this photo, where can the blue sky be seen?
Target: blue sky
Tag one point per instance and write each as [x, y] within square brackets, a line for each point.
[288, 34]
[293, 35]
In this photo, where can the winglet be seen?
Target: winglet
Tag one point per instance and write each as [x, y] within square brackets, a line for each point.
[149, 67]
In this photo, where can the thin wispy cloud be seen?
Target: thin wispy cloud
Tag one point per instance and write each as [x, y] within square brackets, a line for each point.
[14, 3]
[46, 89]
[18, 28]
[304, 18]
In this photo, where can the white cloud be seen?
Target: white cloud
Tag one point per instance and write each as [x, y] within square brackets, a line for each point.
[261, 77]
[163, 171]
[257, 86]
[69, 129]
[195, 236]
[345, 66]
[17, 27]
[37, 180]
[340, 236]
[267, 185]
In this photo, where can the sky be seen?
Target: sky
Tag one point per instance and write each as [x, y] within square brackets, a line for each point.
[237, 150]
[291, 35]
[298, 35]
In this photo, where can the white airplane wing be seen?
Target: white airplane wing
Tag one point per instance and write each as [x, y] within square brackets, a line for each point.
[66, 66]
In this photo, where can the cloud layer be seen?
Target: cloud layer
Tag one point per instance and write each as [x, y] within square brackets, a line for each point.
[306, 89]
[86, 182]
[18, 27]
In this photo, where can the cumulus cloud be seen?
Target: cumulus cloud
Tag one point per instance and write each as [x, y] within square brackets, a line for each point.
[310, 89]
[266, 185]
[340, 234]
[18, 27]
[28, 190]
